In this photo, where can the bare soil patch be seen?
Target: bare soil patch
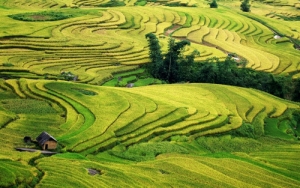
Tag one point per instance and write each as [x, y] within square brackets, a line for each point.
[39, 17]
[93, 171]
[171, 29]
[101, 31]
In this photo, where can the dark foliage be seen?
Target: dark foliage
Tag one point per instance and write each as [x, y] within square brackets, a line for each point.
[289, 18]
[155, 68]
[173, 67]
[213, 4]
[67, 76]
[245, 6]
[173, 4]
[41, 16]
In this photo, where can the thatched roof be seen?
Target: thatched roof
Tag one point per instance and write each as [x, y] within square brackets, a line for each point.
[44, 137]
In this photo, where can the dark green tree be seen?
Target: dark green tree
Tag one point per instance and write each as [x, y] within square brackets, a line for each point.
[296, 94]
[282, 86]
[155, 67]
[213, 4]
[172, 59]
[166, 67]
[186, 66]
[245, 6]
[175, 67]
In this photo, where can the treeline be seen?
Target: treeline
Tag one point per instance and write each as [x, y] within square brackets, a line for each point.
[174, 67]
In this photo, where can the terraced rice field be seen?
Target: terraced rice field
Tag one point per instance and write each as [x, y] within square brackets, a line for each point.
[94, 43]
[95, 125]
[179, 135]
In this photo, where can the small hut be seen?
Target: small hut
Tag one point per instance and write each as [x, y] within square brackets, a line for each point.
[46, 141]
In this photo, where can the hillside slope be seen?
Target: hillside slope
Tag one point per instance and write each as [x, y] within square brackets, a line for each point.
[178, 135]
[93, 42]
[105, 129]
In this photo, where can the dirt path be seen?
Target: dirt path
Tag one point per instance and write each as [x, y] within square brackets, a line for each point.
[173, 28]
[34, 150]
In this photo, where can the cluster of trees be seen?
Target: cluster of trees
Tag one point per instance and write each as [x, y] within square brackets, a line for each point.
[174, 67]
[245, 5]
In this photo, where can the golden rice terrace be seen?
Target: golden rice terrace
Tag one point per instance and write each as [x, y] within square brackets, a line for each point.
[56, 55]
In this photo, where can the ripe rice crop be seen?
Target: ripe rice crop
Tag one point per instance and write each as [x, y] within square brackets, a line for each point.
[179, 135]
[13, 172]
[152, 113]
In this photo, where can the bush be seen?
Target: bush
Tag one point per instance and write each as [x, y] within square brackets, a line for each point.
[245, 6]
[213, 4]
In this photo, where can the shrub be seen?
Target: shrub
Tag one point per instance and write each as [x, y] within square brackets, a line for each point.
[213, 4]
[245, 6]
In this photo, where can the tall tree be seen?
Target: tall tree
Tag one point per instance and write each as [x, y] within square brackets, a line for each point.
[175, 67]
[186, 68]
[155, 67]
[172, 58]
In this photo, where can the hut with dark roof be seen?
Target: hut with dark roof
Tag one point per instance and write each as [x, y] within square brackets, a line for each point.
[46, 141]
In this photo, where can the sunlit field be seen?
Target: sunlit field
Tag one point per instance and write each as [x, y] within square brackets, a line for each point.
[160, 127]
[64, 68]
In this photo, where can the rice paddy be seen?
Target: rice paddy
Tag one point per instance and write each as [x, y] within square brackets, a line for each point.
[85, 44]
[126, 122]
[158, 135]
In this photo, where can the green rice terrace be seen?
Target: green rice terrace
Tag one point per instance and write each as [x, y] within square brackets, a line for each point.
[64, 68]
